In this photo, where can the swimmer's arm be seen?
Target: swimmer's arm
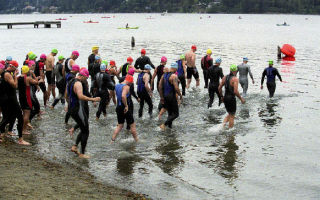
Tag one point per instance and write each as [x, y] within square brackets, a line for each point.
[63, 71]
[279, 76]
[110, 84]
[263, 75]
[176, 85]
[133, 93]
[79, 91]
[146, 79]
[221, 85]
[150, 63]
[71, 63]
[153, 77]
[161, 87]
[124, 95]
[250, 73]
[13, 81]
[136, 64]
[235, 87]
[184, 67]
[221, 74]
[32, 81]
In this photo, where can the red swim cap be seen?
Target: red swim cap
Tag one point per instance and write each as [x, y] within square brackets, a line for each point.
[112, 62]
[3, 62]
[129, 78]
[129, 59]
[194, 47]
[14, 63]
[143, 51]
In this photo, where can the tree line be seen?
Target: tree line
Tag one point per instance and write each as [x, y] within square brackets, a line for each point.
[151, 6]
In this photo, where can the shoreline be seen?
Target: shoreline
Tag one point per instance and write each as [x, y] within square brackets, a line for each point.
[25, 175]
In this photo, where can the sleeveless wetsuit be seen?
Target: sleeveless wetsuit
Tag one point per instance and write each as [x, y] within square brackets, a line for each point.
[143, 94]
[229, 96]
[121, 116]
[170, 100]
[24, 94]
[182, 77]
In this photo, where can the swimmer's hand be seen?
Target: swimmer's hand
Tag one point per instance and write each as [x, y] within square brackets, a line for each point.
[126, 109]
[261, 87]
[162, 101]
[242, 100]
[96, 99]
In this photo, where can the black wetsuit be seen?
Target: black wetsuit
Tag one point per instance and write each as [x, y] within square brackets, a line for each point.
[35, 102]
[214, 75]
[24, 94]
[271, 74]
[181, 77]
[3, 99]
[170, 100]
[94, 69]
[124, 70]
[103, 83]
[143, 94]
[229, 96]
[12, 110]
[40, 67]
[69, 77]
[79, 112]
[159, 75]
[142, 61]
[60, 82]
[91, 59]
[206, 62]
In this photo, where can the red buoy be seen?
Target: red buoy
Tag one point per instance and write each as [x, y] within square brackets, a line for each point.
[288, 50]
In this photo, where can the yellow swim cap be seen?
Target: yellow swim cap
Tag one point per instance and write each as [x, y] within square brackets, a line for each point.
[30, 52]
[95, 48]
[25, 69]
[209, 51]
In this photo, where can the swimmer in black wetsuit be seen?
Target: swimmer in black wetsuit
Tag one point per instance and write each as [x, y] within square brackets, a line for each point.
[271, 74]
[215, 73]
[230, 82]
[143, 60]
[60, 81]
[77, 110]
[168, 88]
[103, 82]
[144, 91]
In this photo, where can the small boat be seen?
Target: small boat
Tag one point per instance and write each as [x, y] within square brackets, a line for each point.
[164, 13]
[283, 24]
[129, 27]
[105, 17]
[61, 19]
[91, 22]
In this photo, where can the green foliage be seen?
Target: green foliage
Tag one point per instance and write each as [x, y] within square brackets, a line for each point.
[179, 6]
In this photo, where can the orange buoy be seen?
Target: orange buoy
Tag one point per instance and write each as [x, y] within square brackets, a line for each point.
[288, 50]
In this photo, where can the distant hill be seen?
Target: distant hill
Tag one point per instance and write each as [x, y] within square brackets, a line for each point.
[148, 6]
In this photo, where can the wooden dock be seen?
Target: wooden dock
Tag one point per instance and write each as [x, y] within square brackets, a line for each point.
[47, 24]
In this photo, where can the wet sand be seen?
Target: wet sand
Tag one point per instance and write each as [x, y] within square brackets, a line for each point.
[24, 175]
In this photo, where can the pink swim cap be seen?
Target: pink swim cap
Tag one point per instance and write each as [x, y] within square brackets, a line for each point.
[75, 68]
[131, 71]
[43, 56]
[76, 53]
[31, 62]
[163, 59]
[84, 72]
[1, 66]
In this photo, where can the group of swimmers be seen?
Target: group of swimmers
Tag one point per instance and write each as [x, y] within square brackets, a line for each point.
[71, 82]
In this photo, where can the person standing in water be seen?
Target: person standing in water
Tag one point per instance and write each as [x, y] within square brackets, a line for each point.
[206, 62]
[230, 82]
[123, 111]
[271, 74]
[215, 73]
[244, 70]
[49, 75]
[191, 66]
[77, 101]
[142, 61]
[168, 88]
[92, 57]
[60, 81]
[144, 90]
[182, 73]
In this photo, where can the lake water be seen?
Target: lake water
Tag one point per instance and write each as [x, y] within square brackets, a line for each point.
[271, 153]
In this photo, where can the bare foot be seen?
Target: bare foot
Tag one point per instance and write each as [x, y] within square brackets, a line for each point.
[26, 133]
[74, 149]
[105, 115]
[22, 142]
[29, 126]
[163, 127]
[11, 133]
[51, 107]
[71, 131]
[97, 118]
[41, 112]
[84, 156]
